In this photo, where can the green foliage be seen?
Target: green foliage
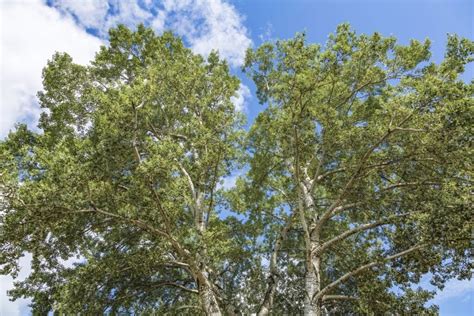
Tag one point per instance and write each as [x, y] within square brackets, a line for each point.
[120, 139]
[367, 124]
[359, 172]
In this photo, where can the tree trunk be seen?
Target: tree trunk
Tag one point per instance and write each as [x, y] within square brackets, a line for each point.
[209, 300]
[312, 282]
[206, 292]
[312, 262]
[268, 299]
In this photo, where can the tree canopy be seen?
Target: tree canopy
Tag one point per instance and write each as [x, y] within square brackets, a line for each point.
[357, 179]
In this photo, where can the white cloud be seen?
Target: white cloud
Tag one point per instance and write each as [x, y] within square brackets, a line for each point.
[100, 15]
[89, 13]
[241, 97]
[158, 22]
[8, 308]
[219, 26]
[128, 13]
[461, 290]
[30, 34]
[267, 33]
[206, 25]
[20, 306]
[227, 182]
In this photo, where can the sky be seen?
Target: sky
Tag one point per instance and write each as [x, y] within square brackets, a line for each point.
[32, 30]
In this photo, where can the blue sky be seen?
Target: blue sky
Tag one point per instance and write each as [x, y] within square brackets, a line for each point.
[31, 30]
[405, 19]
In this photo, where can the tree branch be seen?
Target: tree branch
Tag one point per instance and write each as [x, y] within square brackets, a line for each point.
[177, 285]
[342, 208]
[327, 215]
[135, 135]
[355, 230]
[407, 184]
[327, 298]
[267, 303]
[138, 223]
[410, 129]
[301, 212]
[141, 224]
[188, 177]
[381, 164]
[357, 271]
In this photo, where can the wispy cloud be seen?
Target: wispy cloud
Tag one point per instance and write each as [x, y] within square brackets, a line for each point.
[266, 33]
[219, 26]
[205, 25]
[88, 13]
[229, 182]
[461, 290]
[241, 97]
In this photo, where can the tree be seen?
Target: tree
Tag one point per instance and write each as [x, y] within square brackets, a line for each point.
[124, 175]
[359, 180]
[365, 151]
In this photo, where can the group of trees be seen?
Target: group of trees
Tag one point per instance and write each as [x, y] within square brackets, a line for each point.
[356, 179]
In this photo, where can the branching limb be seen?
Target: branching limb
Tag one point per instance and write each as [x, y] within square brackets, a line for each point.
[328, 298]
[342, 208]
[329, 212]
[267, 303]
[135, 222]
[177, 285]
[407, 184]
[361, 269]
[141, 224]
[301, 208]
[188, 178]
[356, 230]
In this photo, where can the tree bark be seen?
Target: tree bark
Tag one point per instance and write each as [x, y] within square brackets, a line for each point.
[312, 280]
[313, 261]
[209, 300]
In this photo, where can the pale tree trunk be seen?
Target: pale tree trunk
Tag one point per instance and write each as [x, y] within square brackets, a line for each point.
[312, 261]
[268, 299]
[312, 281]
[306, 205]
[208, 298]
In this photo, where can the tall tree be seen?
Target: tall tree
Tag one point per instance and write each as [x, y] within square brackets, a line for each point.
[364, 155]
[359, 180]
[125, 176]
